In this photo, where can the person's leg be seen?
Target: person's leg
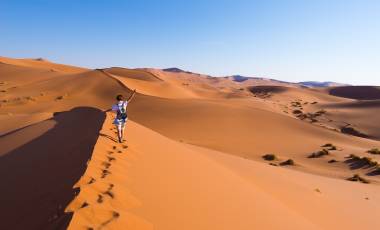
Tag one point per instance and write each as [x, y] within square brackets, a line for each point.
[119, 132]
[122, 131]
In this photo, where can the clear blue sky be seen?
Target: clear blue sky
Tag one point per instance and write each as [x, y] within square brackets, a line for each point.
[336, 40]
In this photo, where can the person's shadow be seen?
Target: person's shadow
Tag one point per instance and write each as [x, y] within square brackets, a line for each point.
[37, 178]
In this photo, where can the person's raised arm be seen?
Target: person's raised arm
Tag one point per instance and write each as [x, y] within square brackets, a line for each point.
[132, 96]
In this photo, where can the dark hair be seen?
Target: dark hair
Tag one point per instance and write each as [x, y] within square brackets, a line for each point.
[119, 97]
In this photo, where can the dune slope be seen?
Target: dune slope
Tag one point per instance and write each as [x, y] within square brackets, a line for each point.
[38, 176]
[158, 183]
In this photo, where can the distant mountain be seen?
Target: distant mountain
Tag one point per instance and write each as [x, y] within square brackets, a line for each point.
[263, 81]
[321, 84]
[240, 78]
[176, 70]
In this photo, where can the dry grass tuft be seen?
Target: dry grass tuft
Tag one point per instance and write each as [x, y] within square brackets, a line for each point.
[319, 154]
[374, 151]
[358, 178]
[269, 157]
[287, 162]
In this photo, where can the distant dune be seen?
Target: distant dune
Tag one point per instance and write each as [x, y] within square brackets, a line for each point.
[357, 92]
[321, 84]
[201, 152]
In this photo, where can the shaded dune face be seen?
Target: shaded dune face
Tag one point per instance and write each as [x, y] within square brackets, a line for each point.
[357, 92]
[38, 177]
[267, 89]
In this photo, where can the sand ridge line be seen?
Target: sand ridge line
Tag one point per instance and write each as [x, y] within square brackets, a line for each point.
[103, 200]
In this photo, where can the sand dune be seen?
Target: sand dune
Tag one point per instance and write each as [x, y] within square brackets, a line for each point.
[359, 114]
[171, 185]
[193, 157]
[357, 92]
[41, 63]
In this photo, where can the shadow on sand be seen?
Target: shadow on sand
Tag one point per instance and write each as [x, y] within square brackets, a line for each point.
[109, 137]
[37, 178]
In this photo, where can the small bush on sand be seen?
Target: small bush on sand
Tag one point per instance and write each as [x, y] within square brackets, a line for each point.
[287, 162]
[358, 178]
[320, 112]
[369, 161]
[297, 111]
[269, 157]
[354, 157]
[319, 154]
[365, 160]
[332, 161]
[329, 146]
[374, 151]
[296, 104]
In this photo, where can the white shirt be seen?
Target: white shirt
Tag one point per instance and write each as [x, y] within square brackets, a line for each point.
[116, 107]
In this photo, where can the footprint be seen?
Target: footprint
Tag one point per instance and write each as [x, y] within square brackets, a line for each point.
[114, 147]
[109, 191]
[91, 181]
[105, 172]
[119, 151]
[110, 159]
[100, 199]
[106, 164]
[125, 146]
[85, 204]
[115, 215]
[110, 152]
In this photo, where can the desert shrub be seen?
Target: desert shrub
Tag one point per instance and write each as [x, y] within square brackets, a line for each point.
[29, 98]
[318, 154]
[374, 151]
[357, 177]
[297, 111]
[352, 131]
[354, 157]
[329, 146]
[269, 157]
[287, 162]
[296, 104]
[332, 161]
[320, 112]
[369, 161]
[312, 120]
[365, 160]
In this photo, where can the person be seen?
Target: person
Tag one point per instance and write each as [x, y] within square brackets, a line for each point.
[121, 117]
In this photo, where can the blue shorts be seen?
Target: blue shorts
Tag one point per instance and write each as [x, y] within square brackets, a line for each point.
[120, 122]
